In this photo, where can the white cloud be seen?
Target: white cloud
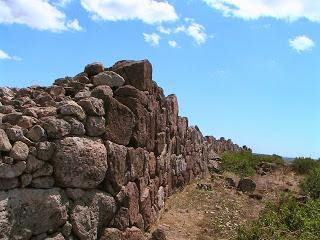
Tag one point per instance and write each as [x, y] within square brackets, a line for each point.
[289, 10]
[6, 56]
[164, 30]
[37, 14]
[301, 43]
[62, 3]
[74, 25]
[192, 29]
[197, 32]
[173, 43]
[152, 38]
[148, 11]
[179, 29]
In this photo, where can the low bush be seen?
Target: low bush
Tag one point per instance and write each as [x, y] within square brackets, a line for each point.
[304, 165]
[244, 163]
[285, 220]
[311, 183]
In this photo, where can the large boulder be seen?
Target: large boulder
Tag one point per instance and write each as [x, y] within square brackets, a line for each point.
[120, 122]
[135, 73]
[246, 185]
[27, 212]
[94, 69]
[80, 162]
[108, 78]
[91, 213]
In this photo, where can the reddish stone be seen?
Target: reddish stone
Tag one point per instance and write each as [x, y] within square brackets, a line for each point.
[120, 122]
[140, 131]
[134, 233]
[136, 159]
[135, 73]
[131, 201]
[146, 208]
[117, 165]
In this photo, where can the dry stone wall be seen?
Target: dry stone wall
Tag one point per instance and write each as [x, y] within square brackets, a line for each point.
[94, 156]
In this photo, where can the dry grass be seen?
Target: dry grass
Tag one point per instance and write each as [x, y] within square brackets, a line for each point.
[194, 214]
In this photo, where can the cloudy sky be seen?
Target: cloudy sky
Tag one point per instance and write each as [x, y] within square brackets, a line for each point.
[243, 69]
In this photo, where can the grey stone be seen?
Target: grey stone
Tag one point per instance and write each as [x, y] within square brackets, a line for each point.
[25, 179]
[246, 185]
[5, 144]
[19, 151]
[57, 236]
[91, 213]
[45, 150]
[108, 78]
[158, 234]
[37, 134]
[92, 106]
[15, 134]
[79, 162]
[7, 160]
[66, 229]
[6, 184]
[46, 170]
[43, 182]
[95, 126]
[56, 128]
[27, 212]
[102, 92]
[77, 127]
[71, 108]
[117, 165]
[33, 164]
[12, 171]
[112, 234]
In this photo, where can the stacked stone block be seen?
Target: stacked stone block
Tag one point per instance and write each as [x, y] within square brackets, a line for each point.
[95, 156]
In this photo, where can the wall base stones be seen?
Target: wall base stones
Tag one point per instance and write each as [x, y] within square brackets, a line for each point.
[95, 156]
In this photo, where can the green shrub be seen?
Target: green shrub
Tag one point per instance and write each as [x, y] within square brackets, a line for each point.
[286, 220]
[244, 163]
[311, 183]
[304, 165]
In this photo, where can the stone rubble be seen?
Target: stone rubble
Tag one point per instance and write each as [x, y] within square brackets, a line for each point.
[95, 156]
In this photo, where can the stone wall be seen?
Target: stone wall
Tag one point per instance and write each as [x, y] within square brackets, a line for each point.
[95, 156]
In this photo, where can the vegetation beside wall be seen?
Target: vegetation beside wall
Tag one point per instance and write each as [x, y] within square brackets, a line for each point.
[245, 163]
[286, 220]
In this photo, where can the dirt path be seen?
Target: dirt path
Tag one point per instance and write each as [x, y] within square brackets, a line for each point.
[195, 214]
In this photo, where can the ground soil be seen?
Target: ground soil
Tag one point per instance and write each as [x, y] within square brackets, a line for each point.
[196, 214]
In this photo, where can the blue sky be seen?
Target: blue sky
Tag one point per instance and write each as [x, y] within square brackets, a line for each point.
[242, 69]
